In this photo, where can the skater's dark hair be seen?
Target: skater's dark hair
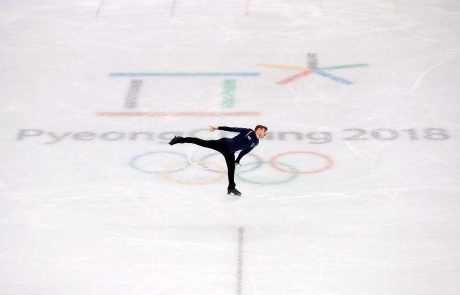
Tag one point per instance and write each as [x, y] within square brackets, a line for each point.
[261, 126]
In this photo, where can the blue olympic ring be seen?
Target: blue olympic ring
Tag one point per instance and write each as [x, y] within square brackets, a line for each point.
[133, 162]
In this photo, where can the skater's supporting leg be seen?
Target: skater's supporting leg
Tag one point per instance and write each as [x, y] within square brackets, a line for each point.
[217, 145]
[230, 161]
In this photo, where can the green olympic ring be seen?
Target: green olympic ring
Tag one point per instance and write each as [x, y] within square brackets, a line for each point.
[327, 159]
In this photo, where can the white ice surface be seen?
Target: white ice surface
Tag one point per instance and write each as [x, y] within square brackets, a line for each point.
[76, 217]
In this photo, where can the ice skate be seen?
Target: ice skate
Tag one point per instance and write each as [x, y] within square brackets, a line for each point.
[234, 192]
[176, 139]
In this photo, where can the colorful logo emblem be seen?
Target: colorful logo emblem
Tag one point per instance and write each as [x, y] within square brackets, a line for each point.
[227, 80]
[313, 68]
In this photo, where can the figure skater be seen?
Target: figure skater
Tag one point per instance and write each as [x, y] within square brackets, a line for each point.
[245, 141]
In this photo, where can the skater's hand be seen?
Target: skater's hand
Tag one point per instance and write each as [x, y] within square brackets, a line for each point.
[212, 128]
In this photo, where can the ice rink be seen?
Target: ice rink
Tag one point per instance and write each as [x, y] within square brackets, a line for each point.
[355, 190]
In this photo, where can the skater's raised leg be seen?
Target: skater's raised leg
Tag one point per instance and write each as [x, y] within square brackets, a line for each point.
[212, 144]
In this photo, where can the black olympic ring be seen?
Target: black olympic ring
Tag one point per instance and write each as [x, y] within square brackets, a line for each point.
[258, 161]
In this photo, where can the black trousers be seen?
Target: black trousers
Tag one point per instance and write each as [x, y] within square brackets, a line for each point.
[218, 145]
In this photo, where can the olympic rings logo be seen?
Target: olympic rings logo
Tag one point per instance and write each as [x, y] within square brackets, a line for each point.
[172, 165]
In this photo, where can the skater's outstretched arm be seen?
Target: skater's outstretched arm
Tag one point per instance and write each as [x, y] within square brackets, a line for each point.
[233, 129]
[241, 155]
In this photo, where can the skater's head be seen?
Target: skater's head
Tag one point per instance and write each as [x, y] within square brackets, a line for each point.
[261, 131]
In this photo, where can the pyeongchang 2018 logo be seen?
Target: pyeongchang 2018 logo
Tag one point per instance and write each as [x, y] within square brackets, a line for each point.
[148, 94]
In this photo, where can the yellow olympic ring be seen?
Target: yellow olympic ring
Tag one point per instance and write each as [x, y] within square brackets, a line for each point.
[166, 173]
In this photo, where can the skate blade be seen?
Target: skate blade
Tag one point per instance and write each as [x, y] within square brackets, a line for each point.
[232, 194]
